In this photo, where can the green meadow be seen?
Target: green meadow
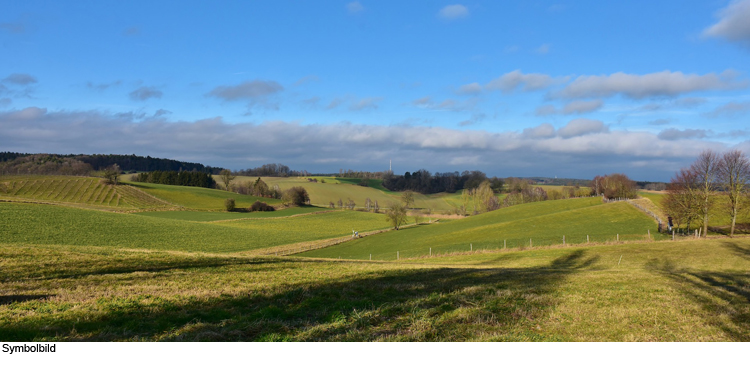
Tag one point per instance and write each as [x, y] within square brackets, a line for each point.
[657, 291]
[545, 223]
[208, 216]
[72, 270]
[88, 192]
[48, 224]
[199, 198]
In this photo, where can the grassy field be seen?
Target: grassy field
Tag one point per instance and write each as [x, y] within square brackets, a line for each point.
[83, 191]
[544, 222]
[199, 198]
[47, 224]
[659, 291]
[205, 216]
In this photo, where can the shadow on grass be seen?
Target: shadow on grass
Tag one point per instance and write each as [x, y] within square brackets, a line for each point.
[442, 304]
[8, 299]
[723, 296]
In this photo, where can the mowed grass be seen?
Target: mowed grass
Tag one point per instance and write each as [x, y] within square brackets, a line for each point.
[47, 224]
[84, 191]
[204, 216]
[545, 223]
[659, 291]
[199, 198]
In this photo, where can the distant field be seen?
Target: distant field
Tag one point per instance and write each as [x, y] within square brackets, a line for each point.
[544, 223]
[198, 198]
[84, 191]
[220, 216]
[665, 291]
[46, 224]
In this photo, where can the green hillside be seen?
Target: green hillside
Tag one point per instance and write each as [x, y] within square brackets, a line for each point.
[199, 198]
[48, 224]
[83, 191]
[545, 223]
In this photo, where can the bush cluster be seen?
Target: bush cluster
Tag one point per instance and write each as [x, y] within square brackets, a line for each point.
[259, 206]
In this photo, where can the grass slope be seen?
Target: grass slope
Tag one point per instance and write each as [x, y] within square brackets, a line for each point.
[204, 216]
[544, 222]
[84, 191]
[46, 224]
[199, 198]
[663, 291]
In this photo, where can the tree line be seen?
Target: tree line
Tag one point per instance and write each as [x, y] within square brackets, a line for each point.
[422, 181]
[184, 178]
[98, 162]
[713, 180]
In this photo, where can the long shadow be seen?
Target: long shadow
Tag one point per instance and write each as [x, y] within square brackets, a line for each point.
[75, 270]
[14, 298]
[720, 294]
[441, 304]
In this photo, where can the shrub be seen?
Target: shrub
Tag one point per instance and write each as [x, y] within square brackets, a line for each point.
[296, 195]
[259, 206]
[229, 204]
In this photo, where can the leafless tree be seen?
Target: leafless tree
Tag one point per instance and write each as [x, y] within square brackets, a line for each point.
[706, 168]
[683, 199]
[226, 178]
[733, 175]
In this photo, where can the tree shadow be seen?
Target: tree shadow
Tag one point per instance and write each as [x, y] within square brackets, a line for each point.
[723, 296]
[16, 298]
[422, 304]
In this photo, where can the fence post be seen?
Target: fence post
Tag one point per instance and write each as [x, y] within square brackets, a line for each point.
[649, 234]
[370, 256]
[505, 245]
[471, 247]
[587, 238]
[672, 234]
[397, 256]
[563, 240]
[618, 237]
[430, 251]
[531, 245]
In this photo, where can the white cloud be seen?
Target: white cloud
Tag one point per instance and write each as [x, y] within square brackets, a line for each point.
[365, 103]
[733, 23]
[687, 134]
[543, 131]
[659, 84]
[529, 81]
[582, 106]
[582, 126]
[145, 93]
[730, 109]
[354, 7]
[453, 12]
[248, 90]
[585, 147]
[545, 110]
[20, 79]
[470, 89]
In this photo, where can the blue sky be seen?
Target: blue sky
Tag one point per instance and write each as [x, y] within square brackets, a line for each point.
[533, 88]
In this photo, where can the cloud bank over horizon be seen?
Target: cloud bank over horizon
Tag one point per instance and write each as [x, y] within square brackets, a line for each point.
[580, 148]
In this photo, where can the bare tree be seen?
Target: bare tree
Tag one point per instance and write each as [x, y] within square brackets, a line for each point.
[226, 178]
[408, 198]
[683, 199]
[706, 168]
[396, 215]
[734, 174]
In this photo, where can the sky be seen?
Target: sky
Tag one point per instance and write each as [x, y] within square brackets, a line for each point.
[526, 88]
